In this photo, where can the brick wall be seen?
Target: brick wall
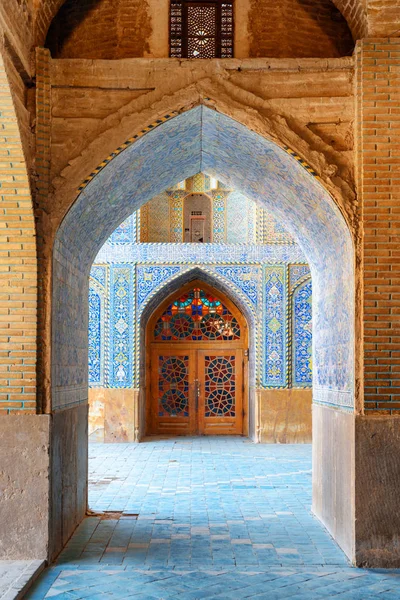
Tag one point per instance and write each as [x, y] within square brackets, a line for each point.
[17, 266]
[379, 149]
[16, 25]
[108, 29]
[298, 28]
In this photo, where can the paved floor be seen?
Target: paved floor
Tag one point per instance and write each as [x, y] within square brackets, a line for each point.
[205, 518]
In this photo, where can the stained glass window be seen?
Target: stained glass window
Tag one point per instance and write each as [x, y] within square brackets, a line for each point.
[201, 29]
[220, 386]
[173, 386]
[197, 315]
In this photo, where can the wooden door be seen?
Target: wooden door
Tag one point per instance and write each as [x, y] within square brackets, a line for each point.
[172, 391]
[220, 406]
[196, 391]
[196, 365]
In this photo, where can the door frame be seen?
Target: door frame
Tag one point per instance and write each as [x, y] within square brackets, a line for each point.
[243, 344]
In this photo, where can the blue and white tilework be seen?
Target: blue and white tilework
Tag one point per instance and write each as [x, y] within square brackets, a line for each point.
[126, 232]
[247, 278]
[269, 304]
[122, 319]
[204, 254]
[149, 278]
[98, 273]
[296, 274]
[302, 335]
[203, 139]
[219, 218]
[96, 336]
[237, 215]
[275, 331]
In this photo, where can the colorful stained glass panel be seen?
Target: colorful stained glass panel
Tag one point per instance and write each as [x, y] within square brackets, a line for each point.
[220, 386]
[173, 386]
[197, 315]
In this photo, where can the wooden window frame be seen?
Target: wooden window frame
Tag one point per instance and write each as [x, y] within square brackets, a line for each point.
[183, 5]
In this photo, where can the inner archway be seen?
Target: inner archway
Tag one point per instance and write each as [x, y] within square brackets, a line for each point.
[203, 140]
[196, 365]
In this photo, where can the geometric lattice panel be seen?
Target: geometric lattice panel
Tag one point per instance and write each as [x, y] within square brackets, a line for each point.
[173, 386]
[220, 386]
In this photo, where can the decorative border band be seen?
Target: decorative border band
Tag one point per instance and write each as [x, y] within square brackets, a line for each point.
[124, 146]
[302, 162]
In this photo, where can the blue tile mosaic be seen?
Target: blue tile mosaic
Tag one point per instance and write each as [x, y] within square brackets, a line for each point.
[302, 335]
[245, 282]
[275, 331]
[149, 278]
[125, 233]
[207, 254]
[204, 140]
[247, 278]
[297, 273]
[98, 273]
[96, 337]
[122, 319]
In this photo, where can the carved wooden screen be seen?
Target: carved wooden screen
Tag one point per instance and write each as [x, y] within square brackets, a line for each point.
[201, 29]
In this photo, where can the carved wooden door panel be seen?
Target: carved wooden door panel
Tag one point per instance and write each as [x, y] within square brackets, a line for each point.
[220, 406]
[197, 391]
[196, 364]
[172, 391]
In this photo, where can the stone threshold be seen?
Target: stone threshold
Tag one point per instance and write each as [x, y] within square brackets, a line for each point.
[17, 576]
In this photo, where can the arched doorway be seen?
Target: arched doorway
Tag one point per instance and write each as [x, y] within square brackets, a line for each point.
[196, 364]
[245, 160]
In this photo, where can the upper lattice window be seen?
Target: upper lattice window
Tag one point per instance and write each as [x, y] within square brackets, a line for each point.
[201, 29]
[197, 315]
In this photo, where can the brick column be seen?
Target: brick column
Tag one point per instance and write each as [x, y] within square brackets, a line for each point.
[42, 168]
[17, 266]
[377, 434]
[379, 168]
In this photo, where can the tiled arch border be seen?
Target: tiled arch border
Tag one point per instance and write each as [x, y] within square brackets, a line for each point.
[156, 124]
[256, 321]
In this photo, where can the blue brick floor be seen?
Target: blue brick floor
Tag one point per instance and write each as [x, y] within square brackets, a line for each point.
[216, 518]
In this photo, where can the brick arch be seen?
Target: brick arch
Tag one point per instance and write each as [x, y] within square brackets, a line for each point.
[119, 133]
[18, 244]
[354, 12]
[242, 156]
[45, 12]
[214, 143]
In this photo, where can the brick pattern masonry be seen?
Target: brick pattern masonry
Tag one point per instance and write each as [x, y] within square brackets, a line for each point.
[379, 113]
[18, 267]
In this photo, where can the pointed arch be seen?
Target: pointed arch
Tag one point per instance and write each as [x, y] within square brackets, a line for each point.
[167, 290]
[203, 140]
